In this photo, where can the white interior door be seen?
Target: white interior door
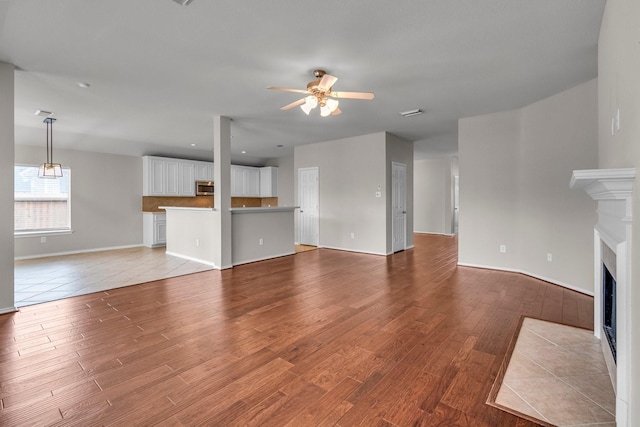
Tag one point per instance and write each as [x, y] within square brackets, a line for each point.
[399, 205]
[308, 221]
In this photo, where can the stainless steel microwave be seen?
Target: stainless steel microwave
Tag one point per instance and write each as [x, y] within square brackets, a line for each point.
[204, 188]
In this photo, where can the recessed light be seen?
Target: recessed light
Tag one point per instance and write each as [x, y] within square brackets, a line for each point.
[410, 113]
[243, 152]
[43, 113]
[84, 85]
[193, 145]
[279, 145]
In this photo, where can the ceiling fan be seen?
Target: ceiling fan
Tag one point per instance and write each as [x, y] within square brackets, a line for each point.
[319, 93]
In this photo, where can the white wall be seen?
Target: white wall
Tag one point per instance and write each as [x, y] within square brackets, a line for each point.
[6, 186]
[515, 169]
[433, 195]
[274, 228]
[106, 201]
[487, 156]
[558, 135]
[350, 171]
[619, 88]
[399, 150]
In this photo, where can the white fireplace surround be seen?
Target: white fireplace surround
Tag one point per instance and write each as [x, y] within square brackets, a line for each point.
[612, 189]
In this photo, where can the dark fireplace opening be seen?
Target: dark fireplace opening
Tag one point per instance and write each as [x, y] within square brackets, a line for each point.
[609, 308]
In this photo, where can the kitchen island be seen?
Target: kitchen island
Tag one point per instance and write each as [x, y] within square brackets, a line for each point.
[256, 234]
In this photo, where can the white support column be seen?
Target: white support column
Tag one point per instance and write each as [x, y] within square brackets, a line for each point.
[222, 191]
[7, 155]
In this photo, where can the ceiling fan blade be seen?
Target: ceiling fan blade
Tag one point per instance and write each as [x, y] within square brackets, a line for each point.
[294, 104]
[327, 81]
[286, 89]
[336, 111]
[353, 95]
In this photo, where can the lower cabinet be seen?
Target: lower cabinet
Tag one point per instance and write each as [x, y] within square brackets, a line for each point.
[154, 229]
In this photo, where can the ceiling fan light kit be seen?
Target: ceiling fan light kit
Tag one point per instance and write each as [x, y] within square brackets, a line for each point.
[319, 93]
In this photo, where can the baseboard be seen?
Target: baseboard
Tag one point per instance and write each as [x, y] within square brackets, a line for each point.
[526, 273]
[8, 310]
[434, 234]
[84, 251]
[189, 258]
[264, 258]
[354, 250]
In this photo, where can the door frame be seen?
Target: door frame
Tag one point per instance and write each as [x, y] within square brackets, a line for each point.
[393, 222]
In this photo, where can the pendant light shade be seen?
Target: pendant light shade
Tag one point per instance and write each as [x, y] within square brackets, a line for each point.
[50, 169]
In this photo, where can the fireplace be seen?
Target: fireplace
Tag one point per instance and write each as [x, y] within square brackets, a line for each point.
[609, 309]
[611, 189]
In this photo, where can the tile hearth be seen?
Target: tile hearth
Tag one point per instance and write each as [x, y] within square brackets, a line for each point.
[557, 374]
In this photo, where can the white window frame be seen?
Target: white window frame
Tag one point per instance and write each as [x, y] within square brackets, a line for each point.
[46, 232]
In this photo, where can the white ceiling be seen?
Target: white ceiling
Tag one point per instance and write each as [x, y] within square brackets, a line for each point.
[159, 71]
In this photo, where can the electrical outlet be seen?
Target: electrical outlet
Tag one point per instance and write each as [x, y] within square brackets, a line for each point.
[549, 257]
[43, 239]
[503, 248]
[197, 243]
[353, 235]
[261, 242]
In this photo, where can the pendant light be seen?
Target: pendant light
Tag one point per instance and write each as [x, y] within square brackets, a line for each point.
[50, 169]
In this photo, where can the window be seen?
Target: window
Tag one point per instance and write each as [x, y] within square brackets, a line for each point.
[41, 205]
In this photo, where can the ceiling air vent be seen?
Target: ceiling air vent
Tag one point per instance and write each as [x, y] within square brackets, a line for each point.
[410, 113]
[183, 2]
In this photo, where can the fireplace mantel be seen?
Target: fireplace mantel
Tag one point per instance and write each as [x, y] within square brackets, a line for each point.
[612, 189]
[605, 184]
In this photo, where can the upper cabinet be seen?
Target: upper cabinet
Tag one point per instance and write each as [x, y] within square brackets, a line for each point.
[187, 178]
[164, 176]
[245, 181]
[154, 176]
[204, 171]
[269, 181]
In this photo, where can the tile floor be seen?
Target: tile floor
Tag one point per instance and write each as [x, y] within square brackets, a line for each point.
[557, 374]
[52, 278]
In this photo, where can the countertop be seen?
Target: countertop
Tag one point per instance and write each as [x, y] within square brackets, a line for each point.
[234, 210]
[264, 209]
[182, 208]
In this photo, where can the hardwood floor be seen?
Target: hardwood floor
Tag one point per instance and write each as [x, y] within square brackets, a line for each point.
[319, 338]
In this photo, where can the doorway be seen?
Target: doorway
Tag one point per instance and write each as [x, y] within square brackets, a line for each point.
[398, 206]
[308, 196]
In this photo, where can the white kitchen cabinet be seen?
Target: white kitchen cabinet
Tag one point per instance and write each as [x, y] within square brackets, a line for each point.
[269, 181]
[163, 176]
[245, 181]
[187, 179]
[204, 171]
[154, 229]
[252, 182]
[154, 177]
[237, 181]
[173, 177]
